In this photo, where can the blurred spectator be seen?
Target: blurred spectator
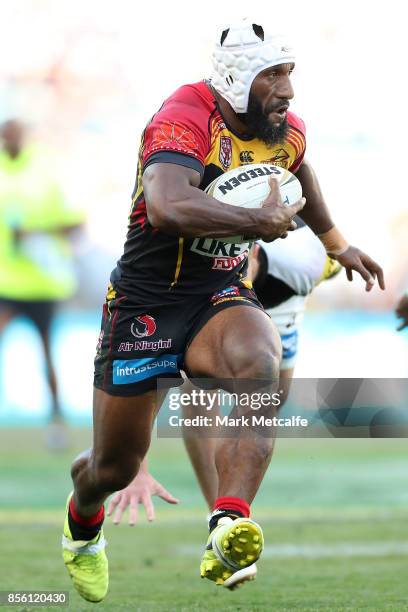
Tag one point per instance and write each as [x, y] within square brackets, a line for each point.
[402, 311]
[36, 272]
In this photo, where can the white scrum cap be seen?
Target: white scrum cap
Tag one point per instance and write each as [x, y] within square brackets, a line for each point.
[241, 52]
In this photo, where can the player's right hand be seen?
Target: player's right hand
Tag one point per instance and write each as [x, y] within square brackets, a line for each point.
[140, 491]
[276, 219]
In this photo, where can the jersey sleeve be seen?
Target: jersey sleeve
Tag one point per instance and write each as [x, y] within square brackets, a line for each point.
[297, 137]
[178, 133]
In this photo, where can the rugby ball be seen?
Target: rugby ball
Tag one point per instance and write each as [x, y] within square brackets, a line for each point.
[248, 187]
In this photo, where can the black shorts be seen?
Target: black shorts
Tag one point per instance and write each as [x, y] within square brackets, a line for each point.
[40, 313]
[138, 344]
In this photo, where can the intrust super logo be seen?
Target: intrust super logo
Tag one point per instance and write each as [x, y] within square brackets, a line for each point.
[127, 371]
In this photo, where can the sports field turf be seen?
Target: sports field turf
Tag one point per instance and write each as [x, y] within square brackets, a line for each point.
[334, 512]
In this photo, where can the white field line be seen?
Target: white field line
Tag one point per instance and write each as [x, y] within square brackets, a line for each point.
[320, 551]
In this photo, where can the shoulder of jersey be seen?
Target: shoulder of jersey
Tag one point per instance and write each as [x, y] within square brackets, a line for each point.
[192, 95]
[296, 122]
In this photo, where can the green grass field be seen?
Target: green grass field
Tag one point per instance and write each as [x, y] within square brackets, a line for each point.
[334, 512]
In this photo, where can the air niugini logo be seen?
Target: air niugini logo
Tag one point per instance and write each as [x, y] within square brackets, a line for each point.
[143, 326]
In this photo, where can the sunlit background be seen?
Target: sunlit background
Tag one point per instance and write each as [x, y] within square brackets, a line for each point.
[86, 77]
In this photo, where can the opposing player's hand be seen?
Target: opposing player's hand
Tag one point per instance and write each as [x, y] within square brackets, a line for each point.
[369, 270]
[140, 491]
[402, 312]
[276, 219]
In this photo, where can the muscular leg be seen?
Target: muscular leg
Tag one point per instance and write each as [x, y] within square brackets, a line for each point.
[122, 431]
[201, 450]
[285, 381]
[239, 343]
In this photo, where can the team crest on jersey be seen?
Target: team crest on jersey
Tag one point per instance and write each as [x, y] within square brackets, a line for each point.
[280, 158]
[143, 326]
[225, 151]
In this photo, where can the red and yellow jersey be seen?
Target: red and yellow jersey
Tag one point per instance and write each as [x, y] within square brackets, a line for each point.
[189, 130]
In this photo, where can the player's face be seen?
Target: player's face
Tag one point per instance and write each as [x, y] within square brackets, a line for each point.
[268, 103]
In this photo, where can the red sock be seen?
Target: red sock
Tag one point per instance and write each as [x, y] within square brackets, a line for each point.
[234, 504]
[88, 521]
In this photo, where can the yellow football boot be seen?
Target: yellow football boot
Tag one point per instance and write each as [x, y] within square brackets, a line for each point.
[233, 545]
[86, 563]
[240, 577]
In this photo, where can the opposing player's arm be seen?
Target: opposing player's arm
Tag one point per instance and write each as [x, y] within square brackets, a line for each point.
[177, 207]
[317, 216]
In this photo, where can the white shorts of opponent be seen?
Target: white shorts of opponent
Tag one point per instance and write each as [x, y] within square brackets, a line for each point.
[287, 318]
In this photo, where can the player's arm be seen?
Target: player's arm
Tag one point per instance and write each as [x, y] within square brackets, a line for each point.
[317, 216]
[177, 207]
[316, 212]
[139, 491]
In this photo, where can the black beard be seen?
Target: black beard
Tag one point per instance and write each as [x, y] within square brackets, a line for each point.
[260, 127]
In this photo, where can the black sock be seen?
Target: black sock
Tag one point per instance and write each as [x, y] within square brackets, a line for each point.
[219, 514]
[81, 532]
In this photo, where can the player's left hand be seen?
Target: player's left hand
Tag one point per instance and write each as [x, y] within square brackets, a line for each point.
[140, 491]
[402, 312]
[369, 270]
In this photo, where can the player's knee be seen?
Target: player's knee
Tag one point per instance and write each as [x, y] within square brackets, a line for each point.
[264, 450]
[252, 362]
[80, 462]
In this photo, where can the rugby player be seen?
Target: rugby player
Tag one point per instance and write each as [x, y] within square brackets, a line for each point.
[283, 275]
[178, 297]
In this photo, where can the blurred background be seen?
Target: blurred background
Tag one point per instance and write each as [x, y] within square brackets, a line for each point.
[84, 78]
